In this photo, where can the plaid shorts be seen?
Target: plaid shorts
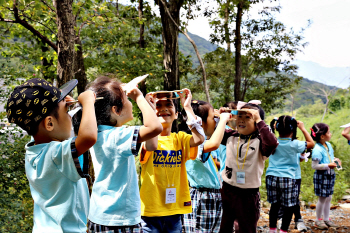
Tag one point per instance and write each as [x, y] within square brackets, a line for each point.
[96, 228]
[282, 189]
[206, 211]
[323, 183]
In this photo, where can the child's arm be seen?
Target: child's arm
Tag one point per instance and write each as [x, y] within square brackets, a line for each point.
[346, 134]
[309, 141]
[151, 126]
[215, 140]
[87, 135]
[268, 140]
[197, 138]
[317, 166]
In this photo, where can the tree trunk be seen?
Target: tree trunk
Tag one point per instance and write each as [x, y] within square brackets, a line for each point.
[238, 46]
[227, 81]
[170, 35]
[65, 40]
[227, 31]
[79, 69]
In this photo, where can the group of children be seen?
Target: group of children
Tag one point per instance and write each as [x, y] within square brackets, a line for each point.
[204, 178]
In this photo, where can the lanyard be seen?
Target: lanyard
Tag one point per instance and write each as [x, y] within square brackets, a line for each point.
[246, 152]
[166, 172]
[329, 157]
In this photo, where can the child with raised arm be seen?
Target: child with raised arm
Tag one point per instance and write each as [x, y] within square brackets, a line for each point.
[204, 180]
[246, 151]
[164, 189]
[281, 174]
[61, 196]
[115, 200]
[324, 176]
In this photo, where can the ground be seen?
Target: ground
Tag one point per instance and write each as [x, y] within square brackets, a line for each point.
[340, 215]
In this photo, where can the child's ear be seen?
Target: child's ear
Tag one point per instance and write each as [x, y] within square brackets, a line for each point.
[48, 123]
[115, 110]
[176, 115]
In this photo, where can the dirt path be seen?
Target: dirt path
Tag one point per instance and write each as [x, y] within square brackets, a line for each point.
[340, 216]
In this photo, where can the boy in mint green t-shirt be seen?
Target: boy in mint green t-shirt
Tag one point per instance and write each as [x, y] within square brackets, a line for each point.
[61, 197]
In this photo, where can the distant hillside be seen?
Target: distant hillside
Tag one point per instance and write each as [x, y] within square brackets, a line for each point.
[301, 97]
[336, 76]
[203, 46]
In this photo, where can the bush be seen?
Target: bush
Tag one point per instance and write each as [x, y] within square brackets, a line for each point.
[16, 204]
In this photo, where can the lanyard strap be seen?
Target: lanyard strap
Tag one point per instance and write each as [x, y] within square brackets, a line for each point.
[329, 156]
[246, 152]
[166, 172]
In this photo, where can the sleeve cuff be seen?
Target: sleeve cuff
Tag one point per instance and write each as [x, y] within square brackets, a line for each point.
[82, 172]
[134, 140]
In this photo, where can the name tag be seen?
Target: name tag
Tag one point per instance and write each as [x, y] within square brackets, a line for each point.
[240, 177]
[170, 195]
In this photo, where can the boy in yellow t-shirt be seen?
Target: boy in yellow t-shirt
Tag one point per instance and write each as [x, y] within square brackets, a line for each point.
[164, 189]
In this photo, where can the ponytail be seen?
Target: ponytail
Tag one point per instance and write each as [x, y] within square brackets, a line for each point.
[200, 108]
[286, 125]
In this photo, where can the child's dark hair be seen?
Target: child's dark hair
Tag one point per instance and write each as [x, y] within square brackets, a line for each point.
[200, 108]
[273, 123]
[317, 130]
[112, 94]
[286, 125]
[256, 107]
[231, 105]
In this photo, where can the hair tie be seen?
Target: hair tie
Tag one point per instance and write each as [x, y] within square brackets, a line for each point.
[194, 101]
[292, 118]
[277, 125]
[313, 132]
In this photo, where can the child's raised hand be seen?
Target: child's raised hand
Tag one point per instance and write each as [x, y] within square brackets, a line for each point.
[332, 165]
[151, 100]
[133, 93]
[185, 98]
[69, 98]
[300, 124]
[255, 114]
[86, 96]
[225, 116]
[223, 109]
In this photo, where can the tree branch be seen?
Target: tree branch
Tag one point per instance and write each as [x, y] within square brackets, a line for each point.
[195, 48]
[38, 23]
[25, 24]
[46, 4]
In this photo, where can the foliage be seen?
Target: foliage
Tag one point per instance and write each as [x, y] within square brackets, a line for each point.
[16, 205]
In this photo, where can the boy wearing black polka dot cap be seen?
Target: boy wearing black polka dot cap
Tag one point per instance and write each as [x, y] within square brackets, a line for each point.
[61, 197]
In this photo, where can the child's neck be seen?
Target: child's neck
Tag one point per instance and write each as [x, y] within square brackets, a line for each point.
[166, 131]
[323, 142]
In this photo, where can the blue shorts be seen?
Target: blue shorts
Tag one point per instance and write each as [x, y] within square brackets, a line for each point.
[170, 224]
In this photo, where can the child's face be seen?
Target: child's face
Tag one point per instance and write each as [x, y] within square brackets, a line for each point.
[62, 125]
[209, 126]
[245, 123]
[327, 137]
[166, 112]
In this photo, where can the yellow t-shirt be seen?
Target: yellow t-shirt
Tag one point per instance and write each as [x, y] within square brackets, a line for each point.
[164, 166]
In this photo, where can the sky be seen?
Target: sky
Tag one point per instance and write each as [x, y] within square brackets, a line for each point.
[328, 35]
